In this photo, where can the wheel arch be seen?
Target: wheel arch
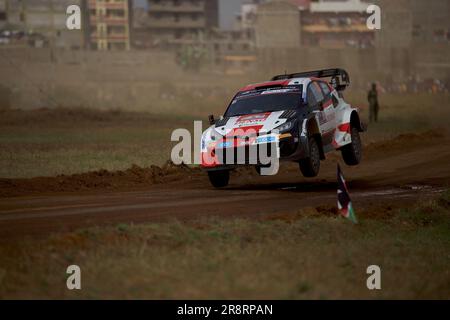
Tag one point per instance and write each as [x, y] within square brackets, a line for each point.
[355, 120]
[311, 128]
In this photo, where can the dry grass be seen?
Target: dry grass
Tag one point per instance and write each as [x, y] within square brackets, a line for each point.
[309, 256]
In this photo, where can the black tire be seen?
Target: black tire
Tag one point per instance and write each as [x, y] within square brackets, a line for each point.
[219, 179]
[310, 166]
[352, 153]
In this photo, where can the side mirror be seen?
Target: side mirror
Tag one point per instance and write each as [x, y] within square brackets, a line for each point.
[211, 119]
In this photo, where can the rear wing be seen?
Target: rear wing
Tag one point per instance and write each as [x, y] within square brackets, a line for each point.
[340, 79]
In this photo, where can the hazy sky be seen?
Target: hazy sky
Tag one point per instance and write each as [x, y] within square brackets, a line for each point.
[227, 10]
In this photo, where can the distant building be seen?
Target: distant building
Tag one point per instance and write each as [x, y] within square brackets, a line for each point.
[336, 24]
[44, 18]
[141, 38]
[430, 21]
[247, 16]
[396, 24]
[173, 23]
[416, 22]
[302, 4]
[233, 50]
[277, 25]
[431, 38]
[321, 23]
[108, 24]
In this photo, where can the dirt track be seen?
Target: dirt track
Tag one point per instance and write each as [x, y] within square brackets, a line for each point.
[393, 174]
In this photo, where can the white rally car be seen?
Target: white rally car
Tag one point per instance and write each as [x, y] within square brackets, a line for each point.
[302, 114]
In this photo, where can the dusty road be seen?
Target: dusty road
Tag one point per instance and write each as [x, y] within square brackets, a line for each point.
[393, 174]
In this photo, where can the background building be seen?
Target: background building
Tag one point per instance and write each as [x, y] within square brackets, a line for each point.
[46, 19]
[395, 15]
[233, 52]
[431, 38]
[336, 24]
[277, 24]
[140, 34]
[430, 22]
[178, 22]
[108, 24]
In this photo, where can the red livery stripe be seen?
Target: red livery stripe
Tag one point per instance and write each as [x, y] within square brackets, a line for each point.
[344, 127]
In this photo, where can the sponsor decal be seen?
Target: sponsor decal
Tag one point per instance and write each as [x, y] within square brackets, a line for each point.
[322, 117]
[245, 130]
[209, 153]
[225, 144]
[253, 118]
[278, 91]
[266, 139]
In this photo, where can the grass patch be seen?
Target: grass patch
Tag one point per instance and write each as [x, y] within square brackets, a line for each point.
[50, 142]
[53, 142]
[313, 256]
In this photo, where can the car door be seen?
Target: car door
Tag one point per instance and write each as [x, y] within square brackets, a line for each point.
[317, 103]
[328, 108]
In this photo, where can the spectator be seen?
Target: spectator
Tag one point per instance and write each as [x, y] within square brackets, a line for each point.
[372, 97]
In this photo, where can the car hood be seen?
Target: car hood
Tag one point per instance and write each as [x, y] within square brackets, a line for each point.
[257, 123]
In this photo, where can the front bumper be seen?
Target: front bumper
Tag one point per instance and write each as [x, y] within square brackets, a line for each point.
[257, 151]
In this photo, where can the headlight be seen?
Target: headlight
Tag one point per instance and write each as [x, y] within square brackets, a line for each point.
[284, 127]
[208, 137]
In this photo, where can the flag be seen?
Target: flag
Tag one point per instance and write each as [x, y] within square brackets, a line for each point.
[344, 202]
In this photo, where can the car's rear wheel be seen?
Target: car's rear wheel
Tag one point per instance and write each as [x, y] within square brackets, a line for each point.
[219, 179]
[352, 153]
[310, 166]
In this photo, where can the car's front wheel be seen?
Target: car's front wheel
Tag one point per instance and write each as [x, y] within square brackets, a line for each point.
[310, 166]
[352, 153]
[219, 179]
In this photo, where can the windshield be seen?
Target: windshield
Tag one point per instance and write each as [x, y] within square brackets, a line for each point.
[264, 101]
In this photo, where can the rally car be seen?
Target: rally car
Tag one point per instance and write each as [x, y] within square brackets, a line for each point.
[296, 117]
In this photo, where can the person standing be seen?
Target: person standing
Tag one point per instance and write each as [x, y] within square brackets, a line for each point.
[372, 97]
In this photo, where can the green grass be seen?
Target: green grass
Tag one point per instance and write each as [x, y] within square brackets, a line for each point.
[67, 141]
[49, 152]
[49, 143]
[405, 113]
[309, 256]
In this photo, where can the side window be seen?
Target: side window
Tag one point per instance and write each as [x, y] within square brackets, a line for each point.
[315, 94]
[325, 88]
[335, 101]
[327, 92]
[311, 98]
